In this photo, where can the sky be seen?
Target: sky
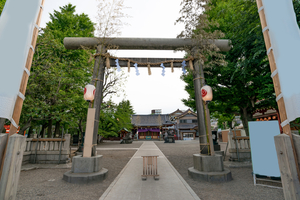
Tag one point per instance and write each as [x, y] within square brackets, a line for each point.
[148, 19]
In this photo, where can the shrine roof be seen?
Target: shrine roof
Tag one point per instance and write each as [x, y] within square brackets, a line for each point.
[188, 111]
[150, 120]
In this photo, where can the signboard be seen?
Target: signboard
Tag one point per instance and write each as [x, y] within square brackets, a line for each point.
[263, 152]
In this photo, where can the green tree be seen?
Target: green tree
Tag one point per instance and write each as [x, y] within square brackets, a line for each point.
[54, 92]
[245, 79]
[224, 110]
[123, 113]
[2, 3]
[114, 118]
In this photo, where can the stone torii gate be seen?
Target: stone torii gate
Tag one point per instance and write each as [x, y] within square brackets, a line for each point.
[145, 44]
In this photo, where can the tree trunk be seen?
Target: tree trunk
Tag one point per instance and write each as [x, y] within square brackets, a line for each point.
[80, 126]
[26, 126]
[42, 133]
[246, 117]
[29, 131]
[57, 129]
[49, 135]
[2, 122]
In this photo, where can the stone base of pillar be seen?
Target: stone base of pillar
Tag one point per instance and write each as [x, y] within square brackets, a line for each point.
[86, 170]
[209, 168]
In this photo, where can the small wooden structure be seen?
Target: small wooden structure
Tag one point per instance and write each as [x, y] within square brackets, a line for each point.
[150, 167]
[123, 132]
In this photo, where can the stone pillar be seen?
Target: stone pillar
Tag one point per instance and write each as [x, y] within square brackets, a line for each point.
[12, 166]
[198, 81]
[66, 145]
[99, 70]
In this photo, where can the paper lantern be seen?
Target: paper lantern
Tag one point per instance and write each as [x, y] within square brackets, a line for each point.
[89, 92]
[206, 93]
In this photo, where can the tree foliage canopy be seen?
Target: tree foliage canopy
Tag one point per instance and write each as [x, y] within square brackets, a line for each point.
[54, 92]
[115, 118]
[244, 83]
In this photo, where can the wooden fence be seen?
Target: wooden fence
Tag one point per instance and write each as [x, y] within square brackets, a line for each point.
[47, 150]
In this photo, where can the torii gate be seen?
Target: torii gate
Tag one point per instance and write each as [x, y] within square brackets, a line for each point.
[145, 44]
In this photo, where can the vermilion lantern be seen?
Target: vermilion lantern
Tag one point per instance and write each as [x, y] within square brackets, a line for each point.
[89, 92]
[206, 93]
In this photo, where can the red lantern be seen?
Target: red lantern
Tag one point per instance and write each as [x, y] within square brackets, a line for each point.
[206, 93]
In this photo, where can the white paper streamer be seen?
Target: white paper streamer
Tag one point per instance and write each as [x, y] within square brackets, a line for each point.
[183, 65]
[163, 70]
[118, 66]
[136, 69]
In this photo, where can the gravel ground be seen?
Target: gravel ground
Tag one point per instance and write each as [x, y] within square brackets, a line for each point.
[180, 154]
[116, 144]
[48, 183]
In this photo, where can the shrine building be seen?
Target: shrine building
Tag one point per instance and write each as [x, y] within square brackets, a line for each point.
[149, 127]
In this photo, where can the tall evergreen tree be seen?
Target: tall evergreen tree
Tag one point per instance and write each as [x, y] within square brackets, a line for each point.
[245, 81]
[54, 92]
[115, 117]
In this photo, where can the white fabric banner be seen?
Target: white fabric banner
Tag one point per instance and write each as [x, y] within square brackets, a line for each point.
[285, 41]
[17, 23]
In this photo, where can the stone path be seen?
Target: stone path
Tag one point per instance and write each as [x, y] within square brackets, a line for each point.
[129, 184]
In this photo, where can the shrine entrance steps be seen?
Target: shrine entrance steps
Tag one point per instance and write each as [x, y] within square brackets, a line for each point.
[129, 184]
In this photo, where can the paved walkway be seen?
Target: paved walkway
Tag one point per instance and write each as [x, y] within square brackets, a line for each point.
[129, 185]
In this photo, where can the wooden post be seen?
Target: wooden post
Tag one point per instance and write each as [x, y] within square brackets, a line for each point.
[23, 85]
[3, 142]
[280, 102]
[12, 166]
[89, 130]
[288, 170]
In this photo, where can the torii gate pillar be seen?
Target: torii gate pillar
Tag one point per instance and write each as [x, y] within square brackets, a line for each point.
[149, 44]
[98, 78]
